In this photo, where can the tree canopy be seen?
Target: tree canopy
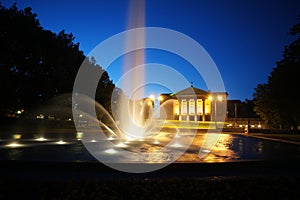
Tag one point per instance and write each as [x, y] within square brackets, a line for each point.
[277, 100]
[38, 64]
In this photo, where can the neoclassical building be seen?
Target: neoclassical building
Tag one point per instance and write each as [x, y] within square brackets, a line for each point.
[194, 104]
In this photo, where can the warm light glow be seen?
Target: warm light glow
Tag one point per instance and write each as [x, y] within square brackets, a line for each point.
[41, 139]
[17, 136]
[210, 98]
[156, 142]
[121, 145]
[93, 141]
[176, 107]
[110, 138]
[220, 98]
[79, 135]
[152, 97]
[205, 150]
[40, 116]
[207, 107]
[61, 142]
[160, 98]
[199, 106]
[176, 144]
[111, 151]
[13, 144]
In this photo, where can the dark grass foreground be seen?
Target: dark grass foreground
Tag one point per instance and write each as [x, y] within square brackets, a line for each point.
[156, 188]
[241, 180]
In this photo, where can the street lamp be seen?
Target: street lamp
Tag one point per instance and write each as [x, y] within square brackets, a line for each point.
[219, 98]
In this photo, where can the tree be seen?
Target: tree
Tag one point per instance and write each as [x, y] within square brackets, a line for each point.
[105, 86]
[37, 64]
[277, 101]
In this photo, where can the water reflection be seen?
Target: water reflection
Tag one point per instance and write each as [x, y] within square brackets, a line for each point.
[229, 147]
[222, 150]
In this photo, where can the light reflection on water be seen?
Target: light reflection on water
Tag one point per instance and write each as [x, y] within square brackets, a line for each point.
[229, 147]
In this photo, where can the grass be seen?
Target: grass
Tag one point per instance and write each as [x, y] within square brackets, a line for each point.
[173, 188]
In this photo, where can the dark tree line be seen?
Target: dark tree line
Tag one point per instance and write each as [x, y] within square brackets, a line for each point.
[37, 64]
[277, 101]
[241, 109]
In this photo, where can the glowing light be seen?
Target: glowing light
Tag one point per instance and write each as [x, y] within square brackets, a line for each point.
[156, 142]
[161, 98]
[121, 145]
[259, 126]
[110, 138]
[176, 107]
[61, 142]
[220, 98]
[40, 116]
[93, 141]
[210, 98]
[79, 135]
[41, 139]
[17, 136]
[152, 97]
[111, 151]
[13, 144]
[176, 144]
[128, 138]
[205, 150]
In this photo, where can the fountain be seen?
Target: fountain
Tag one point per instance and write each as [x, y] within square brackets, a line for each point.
[133, 132]
[134, 138]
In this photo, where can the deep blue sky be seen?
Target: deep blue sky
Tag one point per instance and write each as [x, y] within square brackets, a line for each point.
[244, 38]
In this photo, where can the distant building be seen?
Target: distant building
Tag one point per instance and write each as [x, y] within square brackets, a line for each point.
[194, 104]
[239, 114]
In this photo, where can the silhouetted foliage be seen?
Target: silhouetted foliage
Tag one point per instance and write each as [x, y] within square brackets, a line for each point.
[241, 109]
[37, 64]
[277, 101]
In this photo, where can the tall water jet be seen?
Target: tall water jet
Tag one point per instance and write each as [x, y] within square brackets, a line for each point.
[132, 121]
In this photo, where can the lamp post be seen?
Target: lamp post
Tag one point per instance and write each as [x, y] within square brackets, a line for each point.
[219, 98]
[235, 115]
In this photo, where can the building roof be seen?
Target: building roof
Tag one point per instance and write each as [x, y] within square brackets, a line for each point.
[191, 91]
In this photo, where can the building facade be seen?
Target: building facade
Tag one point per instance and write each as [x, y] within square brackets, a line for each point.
[194, 104]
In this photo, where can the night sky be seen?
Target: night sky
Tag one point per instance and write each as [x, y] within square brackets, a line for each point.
[244, 38]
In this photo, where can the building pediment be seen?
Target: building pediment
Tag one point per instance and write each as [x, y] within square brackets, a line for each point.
[191, 91]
